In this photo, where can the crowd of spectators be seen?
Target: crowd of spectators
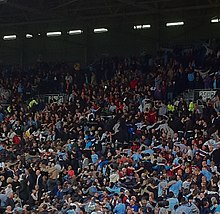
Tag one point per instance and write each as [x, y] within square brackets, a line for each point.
[123, 141]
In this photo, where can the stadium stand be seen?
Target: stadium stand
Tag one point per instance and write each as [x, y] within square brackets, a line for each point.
[123, 140]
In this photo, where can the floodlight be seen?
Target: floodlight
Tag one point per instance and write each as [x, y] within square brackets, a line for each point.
[75, 32]
[28, 36]
[100, 30]
[10, 37]
[52, 34]
[215, 20]
[174, 24]
[139, 27]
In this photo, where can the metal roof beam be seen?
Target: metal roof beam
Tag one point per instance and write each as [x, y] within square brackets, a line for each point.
[135, 4]
[120, 14]
[64, 4]
[162, 11]
[21, 7]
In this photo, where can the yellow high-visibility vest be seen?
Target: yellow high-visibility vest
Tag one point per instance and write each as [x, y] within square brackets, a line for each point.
[191, 106]
[32, 103]
[170, 107]
[9, 109]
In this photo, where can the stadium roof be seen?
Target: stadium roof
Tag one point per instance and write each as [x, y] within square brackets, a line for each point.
[21, 12]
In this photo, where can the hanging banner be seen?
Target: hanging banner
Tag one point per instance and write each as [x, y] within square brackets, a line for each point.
[207, 94]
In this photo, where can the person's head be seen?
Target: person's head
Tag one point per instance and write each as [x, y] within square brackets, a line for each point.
[214, 201]
[9, 186]
[170, 194]
[8, 209]
[197, 156]
[144, 201]
[204, 164]
[179, 173]
[10, 195]
[16, 178]
[116, 196]
[129, 211]
[133, 198]
[37, 172]
[183, 200]
[132, 202]
[204, 179]
[196, 171]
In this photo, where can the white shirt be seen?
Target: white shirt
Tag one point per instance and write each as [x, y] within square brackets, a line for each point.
[38, 180]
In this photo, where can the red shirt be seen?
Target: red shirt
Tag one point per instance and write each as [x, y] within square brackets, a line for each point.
[130, 171]
[152, 117]
[124, 199]
[71, 173]
[16, 140]
[135, 147]
[133, 84]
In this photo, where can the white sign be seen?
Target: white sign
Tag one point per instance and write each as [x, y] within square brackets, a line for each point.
[55, 98]
[207, 94]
